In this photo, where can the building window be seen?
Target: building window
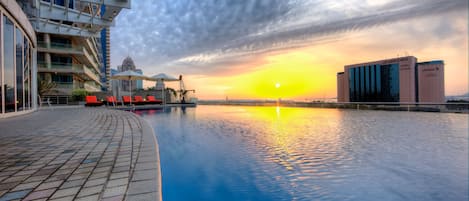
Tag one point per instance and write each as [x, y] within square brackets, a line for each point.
[390, 83]
[8, 64]
[19, 71]
[27, 73]
[374, 83]
[62, 79]
[15, 71]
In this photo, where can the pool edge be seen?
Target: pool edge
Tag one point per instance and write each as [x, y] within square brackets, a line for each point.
[152, 188]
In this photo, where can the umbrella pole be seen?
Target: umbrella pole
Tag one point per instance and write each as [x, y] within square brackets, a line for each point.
[130, 84]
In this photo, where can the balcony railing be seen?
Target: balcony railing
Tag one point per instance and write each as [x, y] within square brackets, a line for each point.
[60, 46]
[64, 85]
[69, 67]
[91, 86]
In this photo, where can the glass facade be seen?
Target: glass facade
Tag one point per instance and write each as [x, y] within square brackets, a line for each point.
[19, 71]
[15, 69]
[374, 83]
[8, 64]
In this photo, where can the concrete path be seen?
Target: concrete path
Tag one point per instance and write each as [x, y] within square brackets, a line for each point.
[78, 154]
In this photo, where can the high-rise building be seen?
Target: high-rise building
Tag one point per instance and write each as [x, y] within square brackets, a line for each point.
[69, 46]
[400, 79]
[127, 64]
[106, 55]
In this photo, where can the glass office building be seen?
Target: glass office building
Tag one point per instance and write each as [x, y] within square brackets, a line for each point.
[17, 70]
[400, 79]
[374, 83]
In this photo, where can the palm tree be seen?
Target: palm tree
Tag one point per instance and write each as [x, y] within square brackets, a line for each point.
[44, 87]
[173, 92]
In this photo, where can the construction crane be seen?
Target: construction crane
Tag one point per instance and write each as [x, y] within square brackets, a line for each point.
[183, 91]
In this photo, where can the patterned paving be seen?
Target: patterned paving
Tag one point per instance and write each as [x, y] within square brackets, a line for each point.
[78, 154]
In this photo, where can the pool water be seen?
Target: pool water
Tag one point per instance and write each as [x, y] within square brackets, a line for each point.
[274, 153]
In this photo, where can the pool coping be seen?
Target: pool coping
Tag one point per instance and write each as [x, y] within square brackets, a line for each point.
[146, 189]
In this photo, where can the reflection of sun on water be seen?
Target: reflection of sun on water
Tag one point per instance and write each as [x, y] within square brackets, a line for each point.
[284, 132]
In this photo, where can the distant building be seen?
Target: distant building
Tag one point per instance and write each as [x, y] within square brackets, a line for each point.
[139, 84]
[127, 64]
[400, 79]
[114, 83]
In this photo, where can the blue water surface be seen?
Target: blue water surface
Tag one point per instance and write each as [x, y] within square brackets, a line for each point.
[271, 153]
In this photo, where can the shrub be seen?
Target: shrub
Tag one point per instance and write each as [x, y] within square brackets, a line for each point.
[79, 94]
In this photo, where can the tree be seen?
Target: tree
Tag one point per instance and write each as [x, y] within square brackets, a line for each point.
[44, 87]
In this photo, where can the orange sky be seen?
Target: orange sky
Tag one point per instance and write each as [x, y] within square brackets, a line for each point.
[310, 72]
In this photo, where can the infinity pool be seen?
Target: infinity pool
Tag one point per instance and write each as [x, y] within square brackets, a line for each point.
[269, 153]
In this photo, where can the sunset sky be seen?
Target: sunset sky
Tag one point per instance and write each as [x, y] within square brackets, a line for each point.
[242, 49]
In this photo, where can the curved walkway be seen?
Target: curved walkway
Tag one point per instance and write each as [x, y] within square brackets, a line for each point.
[78, 154]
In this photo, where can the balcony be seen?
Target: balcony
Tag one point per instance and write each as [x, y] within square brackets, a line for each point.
[92, 86]
[64, 85]
[59, 48]
[87, 59]
[77, 69]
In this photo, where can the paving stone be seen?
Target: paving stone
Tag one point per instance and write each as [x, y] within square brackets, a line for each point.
[114, 191]
[145, 174]
[24, 172]
[103, 169]
[73, 183]
[95, 182]
[7, 186]
[36, 178]
[117, 182]
[68, 198]
[25, 186]
[145, 186]
[62, 153]
[119, 175]
[145, 166]
[15, 179]
[88, 198]
[99, 175]
[40, 194]
[115, 198]
[90, 191]
[49, 185]
[14, 195]
[79, 176]
[65, 192]
[144, 196]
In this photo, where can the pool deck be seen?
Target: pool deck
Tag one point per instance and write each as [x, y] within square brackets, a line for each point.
[78, 154]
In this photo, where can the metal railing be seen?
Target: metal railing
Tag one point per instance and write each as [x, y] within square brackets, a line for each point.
[64, 85]
[75, 68]
[56, 100]
[60, 46]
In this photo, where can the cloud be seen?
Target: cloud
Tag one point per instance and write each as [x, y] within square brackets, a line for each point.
[217, 36]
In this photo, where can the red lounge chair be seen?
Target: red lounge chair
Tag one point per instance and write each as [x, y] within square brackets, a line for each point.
[153, 100]
[126, 100]
[92, 101]
[139, 100]
[112, 100]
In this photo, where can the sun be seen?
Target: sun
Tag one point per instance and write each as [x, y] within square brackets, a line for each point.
[277, 85]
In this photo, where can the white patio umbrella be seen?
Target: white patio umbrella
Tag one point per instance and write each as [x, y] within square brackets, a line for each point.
[162, 77]
[130, 75]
